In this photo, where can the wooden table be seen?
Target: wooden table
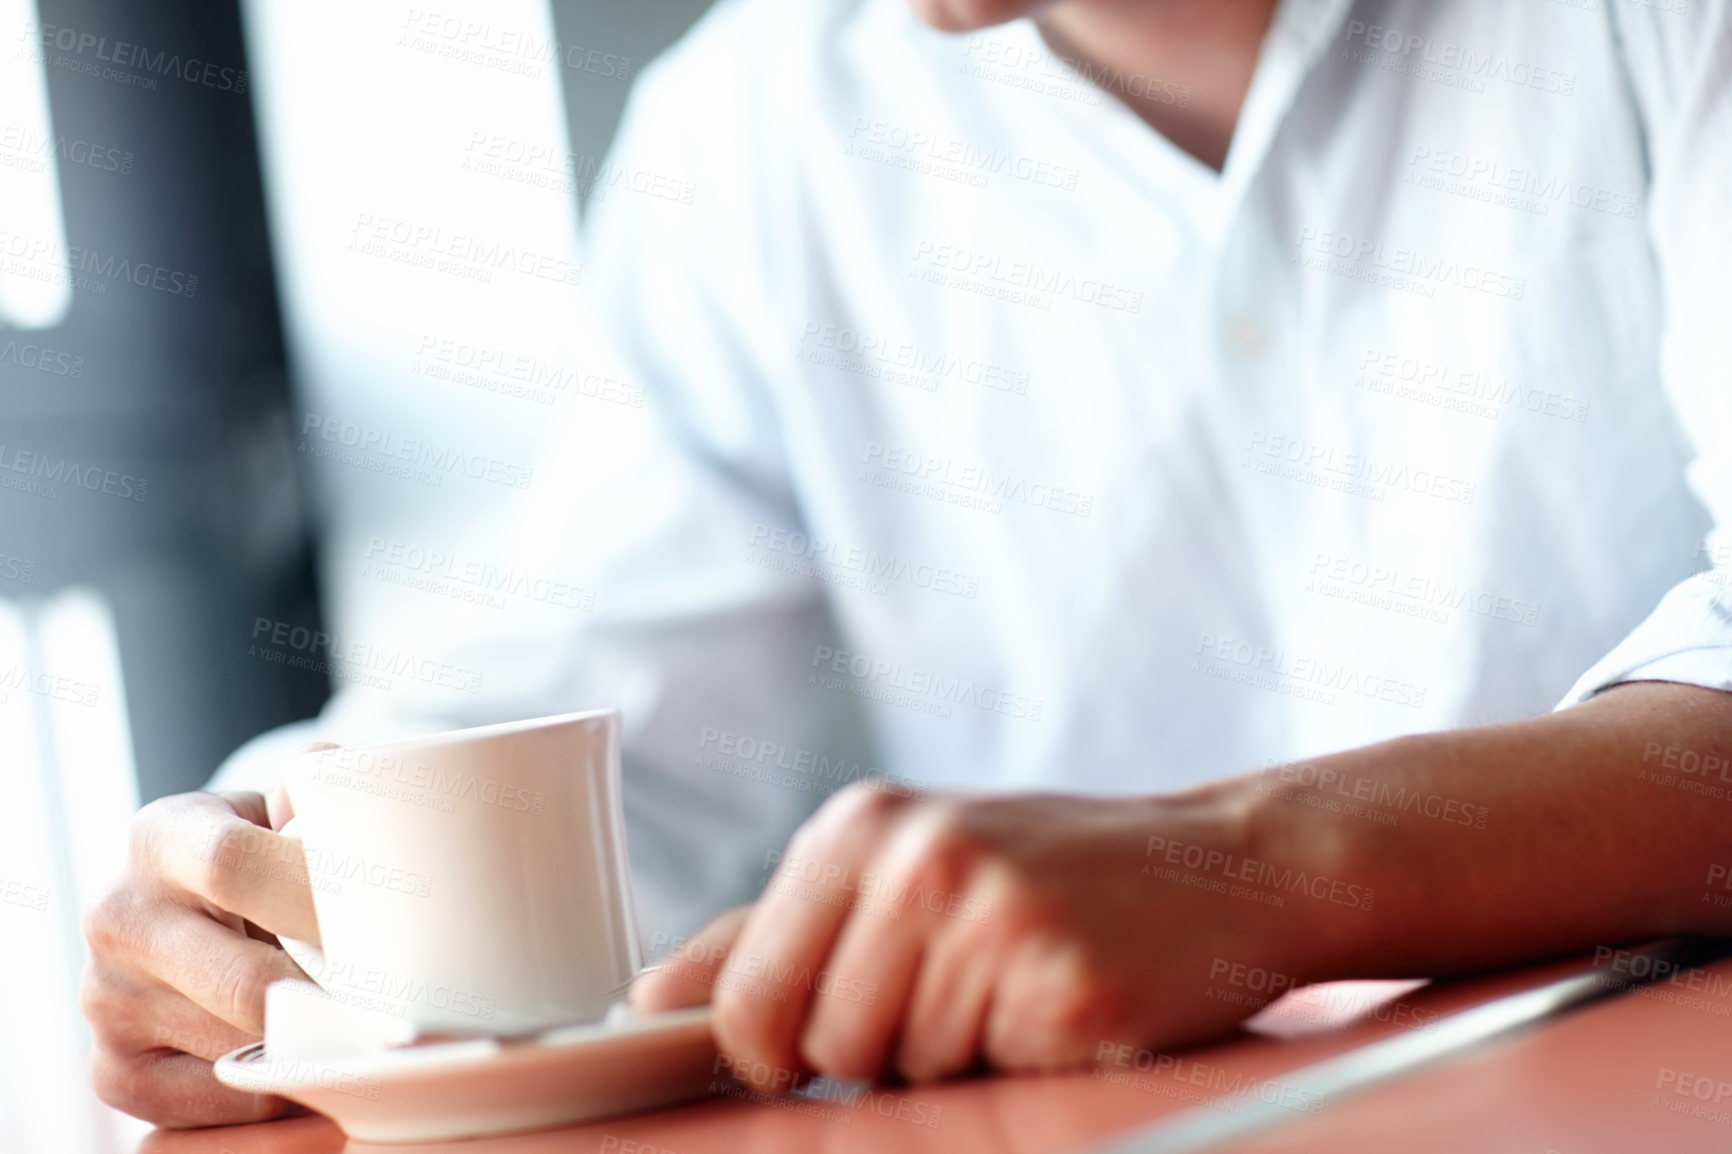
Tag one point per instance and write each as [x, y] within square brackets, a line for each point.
[1643, 1069]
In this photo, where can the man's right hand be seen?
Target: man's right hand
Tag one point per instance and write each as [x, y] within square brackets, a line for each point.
[182, 949]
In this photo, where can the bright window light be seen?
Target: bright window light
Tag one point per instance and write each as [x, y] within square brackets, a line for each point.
[67, 792]
[35, 284]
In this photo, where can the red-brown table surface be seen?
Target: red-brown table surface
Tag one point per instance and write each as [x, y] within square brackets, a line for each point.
[1605, 1077]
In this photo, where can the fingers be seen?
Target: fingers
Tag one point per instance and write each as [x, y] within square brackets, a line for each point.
[130, 1014]
[209, 846]
[947, 1009]
[175, 1090]
[279, 809]
[215, 967]
[247, 804]
[153, 1051]
[882, 948]
[781, 952]
[686, 977]
[175, 975]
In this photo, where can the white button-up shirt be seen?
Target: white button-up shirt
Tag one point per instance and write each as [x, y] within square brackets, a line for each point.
[993, 441]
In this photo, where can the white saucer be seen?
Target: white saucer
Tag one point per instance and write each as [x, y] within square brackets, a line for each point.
[488, 1086]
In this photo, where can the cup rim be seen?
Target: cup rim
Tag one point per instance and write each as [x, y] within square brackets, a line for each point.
[496, 729]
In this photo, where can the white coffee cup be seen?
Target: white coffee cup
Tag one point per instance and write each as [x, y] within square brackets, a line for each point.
[472, 881]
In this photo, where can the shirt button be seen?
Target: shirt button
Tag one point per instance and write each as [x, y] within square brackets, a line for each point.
[1247, 335]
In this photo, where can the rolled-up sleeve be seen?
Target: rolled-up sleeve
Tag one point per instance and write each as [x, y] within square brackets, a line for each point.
[1679, 66]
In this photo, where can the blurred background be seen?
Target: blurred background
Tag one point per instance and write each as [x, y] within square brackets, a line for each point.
[219, 307]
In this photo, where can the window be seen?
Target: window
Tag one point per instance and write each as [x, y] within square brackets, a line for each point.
[35, 288]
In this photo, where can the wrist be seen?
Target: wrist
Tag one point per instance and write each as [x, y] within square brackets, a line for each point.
[1312, 857]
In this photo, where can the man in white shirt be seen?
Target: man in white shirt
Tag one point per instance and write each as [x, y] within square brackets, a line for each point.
[1102, 402]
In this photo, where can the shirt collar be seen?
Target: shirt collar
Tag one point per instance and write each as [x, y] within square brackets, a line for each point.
[1299, 34]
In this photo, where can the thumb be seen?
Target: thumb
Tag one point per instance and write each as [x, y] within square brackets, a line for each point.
[685, 976]
[278, 805]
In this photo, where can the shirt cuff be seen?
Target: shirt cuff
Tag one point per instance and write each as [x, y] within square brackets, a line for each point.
[1687, 639]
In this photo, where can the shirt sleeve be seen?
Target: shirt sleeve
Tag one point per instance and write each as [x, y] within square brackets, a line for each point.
[1678, 61]
[665, 471]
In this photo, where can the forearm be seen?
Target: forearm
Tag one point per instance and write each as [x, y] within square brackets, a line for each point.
[1493, 845]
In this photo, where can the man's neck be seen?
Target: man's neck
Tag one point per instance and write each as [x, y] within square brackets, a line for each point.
[1186, 65]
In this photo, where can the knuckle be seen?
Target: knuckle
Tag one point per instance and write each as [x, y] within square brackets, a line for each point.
[98, 1001]
[837, 1048]
[741, 1026]
[943, 832]
[1055, 1006]
[808, 842]
[102, 922]
[858, 801]
[213, 869]
[1078, 1004]
[240, 992]
[940, 850]
[125, 1083]
[149, 824]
